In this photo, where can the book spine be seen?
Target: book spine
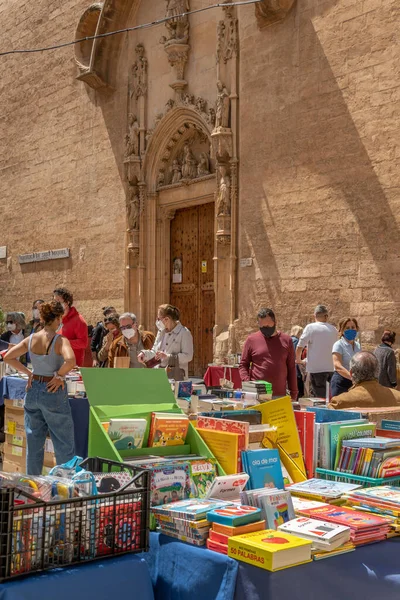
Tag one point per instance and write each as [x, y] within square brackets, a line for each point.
[325, 446]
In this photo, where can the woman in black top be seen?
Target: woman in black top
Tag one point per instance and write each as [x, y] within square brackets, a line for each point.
[387, 360]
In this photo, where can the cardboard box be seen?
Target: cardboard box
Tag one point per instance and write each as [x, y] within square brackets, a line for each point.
[14, 423]
[14, 403]
[11, 467]
[17, 455]
[16, 440]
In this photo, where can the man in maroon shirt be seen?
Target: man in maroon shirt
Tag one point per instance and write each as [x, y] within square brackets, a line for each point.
[269, 355]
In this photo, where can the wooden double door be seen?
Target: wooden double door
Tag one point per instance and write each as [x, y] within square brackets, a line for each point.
[192, 278]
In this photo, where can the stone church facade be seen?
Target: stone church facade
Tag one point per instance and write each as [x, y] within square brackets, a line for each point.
[223, 160]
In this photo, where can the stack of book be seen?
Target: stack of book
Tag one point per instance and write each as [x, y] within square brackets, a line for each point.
[365, 528]
[263, 389]
[276, 505]
[220, 534]
[304, 402]
[328, 539]
[381, 500]
[231, 517]
[370, 457]
[270, 550]
[325, 491]
[186, 519]
[302, 505]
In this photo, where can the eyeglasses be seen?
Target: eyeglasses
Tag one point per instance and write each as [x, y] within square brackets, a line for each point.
[122, 327]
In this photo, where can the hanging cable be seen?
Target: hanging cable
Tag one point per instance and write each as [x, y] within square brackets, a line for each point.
[127, 29]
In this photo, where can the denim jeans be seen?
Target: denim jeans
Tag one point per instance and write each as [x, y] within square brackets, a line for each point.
[47, 412]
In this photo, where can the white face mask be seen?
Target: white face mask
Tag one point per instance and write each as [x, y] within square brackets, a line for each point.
[65, 308]
[11, 326]
[128, 333]
[160, 325]
[36, 314]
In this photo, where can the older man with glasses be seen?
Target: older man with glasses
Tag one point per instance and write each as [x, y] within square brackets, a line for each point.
[130, 343]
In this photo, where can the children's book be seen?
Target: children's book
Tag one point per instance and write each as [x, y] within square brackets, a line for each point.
[194, 509]
[390, 425]
[229, 531]
[277, 506]
[253, 417]
[264, 468]
[342, 515]
[127, 434]
[303, 504]
[168, 429]
[322, 488]
[305, 422]
[270, 550]
[241, 428]
[324, 535]
[228, 487]
[377, 443]
[169, 484]
[202, 475]
[347, 432]
[183, 389]
[234, 515]
[224, 446]
[279, 413]
[324, 415]
[331, 435]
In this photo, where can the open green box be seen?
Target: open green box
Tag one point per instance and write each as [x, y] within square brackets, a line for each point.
[133, 393]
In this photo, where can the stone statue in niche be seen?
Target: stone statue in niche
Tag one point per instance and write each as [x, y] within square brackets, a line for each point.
[176, 171]
[203, 168]
[222, 112]
[224, 193]
[189, 163]
[211, 117]
[133, 208]
[161, 178]
[177, 26]
[132, 137]
[139, 70]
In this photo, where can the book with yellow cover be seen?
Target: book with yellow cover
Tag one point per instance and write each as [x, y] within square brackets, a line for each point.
[168, 429]
[224, 446]
[279, 413]
[269, 549]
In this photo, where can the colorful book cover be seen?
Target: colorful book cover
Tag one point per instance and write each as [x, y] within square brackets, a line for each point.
[224, 446]
[239, 427]
[169, 484]
[234, 515]
[202, 474]
[332, 433]
[278, 508]
[264, 468]
[316, 530]
[342, 515]
[230, 531]
[302, 504]
[323, 488]
[228, 487]
[347, 432]
[305, 422]
[377, 443]
[279, 413]
[127, 434]
[184, 389]
[193, 509]
[388, 433]
[390, 425]
[217, 546]
[261, 547]
[325, 415]
[251, 416]
[388, 465]
[168, 430]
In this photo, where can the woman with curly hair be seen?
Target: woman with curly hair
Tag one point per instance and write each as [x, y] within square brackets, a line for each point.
[47, 407]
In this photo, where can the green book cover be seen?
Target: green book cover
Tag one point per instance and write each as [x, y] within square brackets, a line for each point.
[349, 432]
[333, 437]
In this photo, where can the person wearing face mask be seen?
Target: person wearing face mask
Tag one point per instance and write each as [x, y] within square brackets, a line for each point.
[130, 343]
[15, 331]
[269, 355]
[343, 351]
[74, 326]
[34, 324]
[387, 360]
[173, 339]
[46, 403]
[111, 324]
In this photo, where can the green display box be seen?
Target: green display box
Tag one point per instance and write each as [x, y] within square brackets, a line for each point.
[133, 393]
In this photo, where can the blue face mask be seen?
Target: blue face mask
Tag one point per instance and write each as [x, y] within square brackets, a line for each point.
[350, 334]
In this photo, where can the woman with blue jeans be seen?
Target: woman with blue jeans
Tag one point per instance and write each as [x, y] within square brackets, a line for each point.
[47, 408]
[343, 351]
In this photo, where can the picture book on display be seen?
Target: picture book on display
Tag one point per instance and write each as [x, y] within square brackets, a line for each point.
[224, 446]
[276, 505]
[264, 468]
[347, 432]
[169, 484]
[228, 487]
[127, 434]
[168, 429]
[253, 417]
[234, 515]
[323, 535]
[270, 550]
[202, 475]
[329, 440]
[192, 510]
[241, 428]
[320, 488]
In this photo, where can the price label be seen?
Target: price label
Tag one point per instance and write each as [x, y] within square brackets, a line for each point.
[11, 427]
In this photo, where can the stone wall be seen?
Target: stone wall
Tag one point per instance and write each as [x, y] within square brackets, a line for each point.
[59, 185]
[320, 164]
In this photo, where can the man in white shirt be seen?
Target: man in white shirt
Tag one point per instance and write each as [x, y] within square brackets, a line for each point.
[319, 338]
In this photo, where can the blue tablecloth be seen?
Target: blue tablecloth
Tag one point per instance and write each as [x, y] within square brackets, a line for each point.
[126, 577]
[14, 388]
[180, 571]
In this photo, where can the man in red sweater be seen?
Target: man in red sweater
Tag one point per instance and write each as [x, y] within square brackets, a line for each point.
[269, 355]
[74, 326]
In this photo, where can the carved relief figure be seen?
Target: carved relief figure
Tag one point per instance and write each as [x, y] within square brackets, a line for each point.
[211, 117]
[222, 112]
[176, 171]
[177, 26]
[229, 41]
[161, 178]
[132, 137]
[189, 164]
[139, 70]
[133, 207]
[203, 168]
[224, 193]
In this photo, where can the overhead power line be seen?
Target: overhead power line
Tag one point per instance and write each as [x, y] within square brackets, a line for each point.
[127, 29]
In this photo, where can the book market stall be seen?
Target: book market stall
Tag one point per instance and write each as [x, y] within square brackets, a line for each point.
[212, 496]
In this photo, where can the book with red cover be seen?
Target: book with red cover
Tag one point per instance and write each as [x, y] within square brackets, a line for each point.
[239, 427]
[305, 422]
[217, 547]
